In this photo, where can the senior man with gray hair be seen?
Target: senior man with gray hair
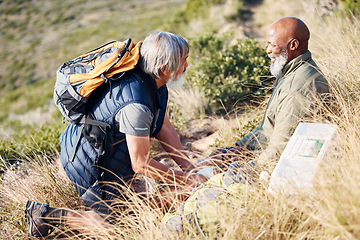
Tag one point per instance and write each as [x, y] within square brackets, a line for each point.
[137, 112]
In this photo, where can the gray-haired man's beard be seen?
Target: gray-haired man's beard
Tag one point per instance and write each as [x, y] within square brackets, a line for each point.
[176, 83]
[280, 61]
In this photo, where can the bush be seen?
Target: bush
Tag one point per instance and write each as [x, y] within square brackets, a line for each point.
[193, 9]
[352, 6]
[228, 73]
[176, 117]
[37, 142]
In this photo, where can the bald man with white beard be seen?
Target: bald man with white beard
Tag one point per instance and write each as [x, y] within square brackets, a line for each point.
[298, 83]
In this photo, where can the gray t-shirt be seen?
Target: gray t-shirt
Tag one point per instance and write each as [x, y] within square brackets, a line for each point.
[135, 119]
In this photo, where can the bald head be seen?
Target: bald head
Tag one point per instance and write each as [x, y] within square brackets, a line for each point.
[290, 33]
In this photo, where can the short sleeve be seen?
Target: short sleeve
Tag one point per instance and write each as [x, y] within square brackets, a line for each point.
[135, 119]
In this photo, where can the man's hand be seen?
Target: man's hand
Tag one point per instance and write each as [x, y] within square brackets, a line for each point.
[143, 164]
[221, 157]
[170, 141]
[194, 179]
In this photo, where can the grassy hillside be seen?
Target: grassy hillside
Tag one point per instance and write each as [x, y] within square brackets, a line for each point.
[38, 35]
[79, 27]
[331, 212]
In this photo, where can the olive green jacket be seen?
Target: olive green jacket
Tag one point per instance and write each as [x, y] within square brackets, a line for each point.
[291, 100]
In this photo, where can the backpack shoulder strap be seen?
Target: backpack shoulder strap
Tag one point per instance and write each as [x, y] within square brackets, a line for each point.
[159, 96]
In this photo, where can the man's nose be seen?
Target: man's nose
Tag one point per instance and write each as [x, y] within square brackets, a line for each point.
[268, 49]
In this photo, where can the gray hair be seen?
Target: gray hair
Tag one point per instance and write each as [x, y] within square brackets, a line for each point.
[162, 49]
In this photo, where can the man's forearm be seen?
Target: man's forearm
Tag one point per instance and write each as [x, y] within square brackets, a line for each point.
[179, 156]
[171, 143]
[159, 171]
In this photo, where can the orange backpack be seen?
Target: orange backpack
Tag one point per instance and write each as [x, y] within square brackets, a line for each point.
[78, 78]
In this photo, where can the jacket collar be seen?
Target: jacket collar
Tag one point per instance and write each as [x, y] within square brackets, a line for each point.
[296, 62]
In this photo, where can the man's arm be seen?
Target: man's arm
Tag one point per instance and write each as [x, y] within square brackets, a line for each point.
[253, 140]
[143, 164]
[292, 108]
[170, 141]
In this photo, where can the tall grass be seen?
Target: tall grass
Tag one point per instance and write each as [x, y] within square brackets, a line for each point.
[332, 211]
[192, 103]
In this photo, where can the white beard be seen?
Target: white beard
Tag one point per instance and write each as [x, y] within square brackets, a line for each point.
[176, 83]
[280, 61]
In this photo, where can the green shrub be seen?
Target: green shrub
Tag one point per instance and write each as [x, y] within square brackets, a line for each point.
[228, 73]
[176, 117]
[352, 6]
[33, 143]
[193, 9]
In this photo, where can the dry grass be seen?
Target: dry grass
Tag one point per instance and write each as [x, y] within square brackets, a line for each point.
[38, 179]
[191, 102]
[331, 212]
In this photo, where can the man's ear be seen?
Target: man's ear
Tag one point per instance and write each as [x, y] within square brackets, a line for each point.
[294, 44]
[163, 70]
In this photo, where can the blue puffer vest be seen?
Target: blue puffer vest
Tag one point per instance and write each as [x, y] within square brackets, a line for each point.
[77, 155]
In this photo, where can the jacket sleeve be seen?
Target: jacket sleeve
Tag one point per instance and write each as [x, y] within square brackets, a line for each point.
[253, 140]
[292, 108]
